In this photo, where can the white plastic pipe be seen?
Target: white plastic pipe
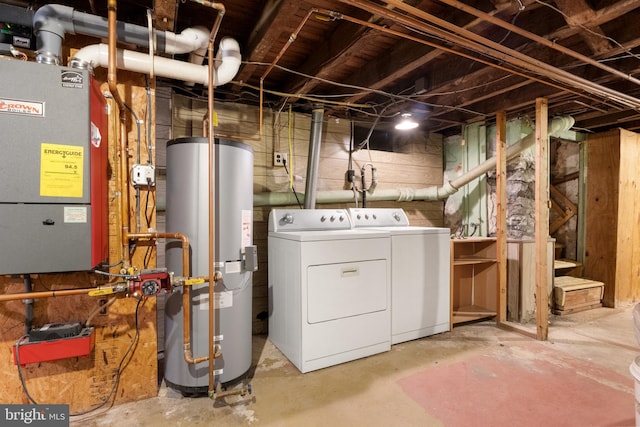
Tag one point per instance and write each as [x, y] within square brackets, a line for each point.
[227, 61]
[189, 40]
[556, 127]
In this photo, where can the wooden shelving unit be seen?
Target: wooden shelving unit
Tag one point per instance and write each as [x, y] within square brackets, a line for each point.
[474, 279]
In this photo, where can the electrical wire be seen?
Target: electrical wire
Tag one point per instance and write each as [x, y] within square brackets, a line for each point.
[121, 366]
[137, 195]
[348, 105]
[119, 371]
[589, 30]
[115, 264]
[149, 121]
[97, 310]
[284, 163]
[290, 141]
[104, 273]
[148, 215]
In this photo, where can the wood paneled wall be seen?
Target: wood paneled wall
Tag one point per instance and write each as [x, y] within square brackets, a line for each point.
[417, 164]
[612, 247]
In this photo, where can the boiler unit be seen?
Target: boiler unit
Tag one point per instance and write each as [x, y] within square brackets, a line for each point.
[53, 197]
[235, 259]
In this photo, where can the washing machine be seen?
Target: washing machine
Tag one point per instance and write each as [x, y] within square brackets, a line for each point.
[420, 270]
[329, 288]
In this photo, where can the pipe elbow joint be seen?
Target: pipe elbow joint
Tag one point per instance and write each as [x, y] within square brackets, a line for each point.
[50, 23]
[230, 59]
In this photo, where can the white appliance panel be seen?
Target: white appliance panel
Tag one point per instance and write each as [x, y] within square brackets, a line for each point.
[420, 269]
[420, 292]
[342, 290]
[315, 278]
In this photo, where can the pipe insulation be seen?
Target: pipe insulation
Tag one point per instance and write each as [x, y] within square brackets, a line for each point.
[227, 63]
[51, 23]
[557, 126]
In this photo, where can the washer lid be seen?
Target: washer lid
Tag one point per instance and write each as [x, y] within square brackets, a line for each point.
[412, 230]
[329, 235]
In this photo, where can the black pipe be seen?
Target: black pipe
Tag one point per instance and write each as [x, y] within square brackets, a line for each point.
[364, 189]
[28, 304]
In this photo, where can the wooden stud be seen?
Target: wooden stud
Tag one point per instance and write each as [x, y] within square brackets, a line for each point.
[501, 213]
[542, 219]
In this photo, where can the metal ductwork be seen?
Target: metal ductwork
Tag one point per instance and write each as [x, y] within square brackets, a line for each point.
[557, 126]
[52, 22]
[313, 161]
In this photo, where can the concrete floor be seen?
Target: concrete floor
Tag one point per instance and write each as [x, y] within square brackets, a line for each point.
[475, 375]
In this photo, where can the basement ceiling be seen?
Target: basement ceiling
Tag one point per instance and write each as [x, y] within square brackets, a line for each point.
[449, 62]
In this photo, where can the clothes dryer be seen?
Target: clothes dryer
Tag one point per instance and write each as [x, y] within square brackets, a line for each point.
[329, 288]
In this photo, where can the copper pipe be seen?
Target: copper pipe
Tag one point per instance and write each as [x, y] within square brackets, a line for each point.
[291, 39]
[470, 40]
[123, 172]
[336, 15]
[212, 223]
[412, 23]
[186, 290]
[211, 139]
[536, 38]
[46, 294]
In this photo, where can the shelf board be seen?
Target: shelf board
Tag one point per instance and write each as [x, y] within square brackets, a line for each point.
[472, 260]
[468, 313]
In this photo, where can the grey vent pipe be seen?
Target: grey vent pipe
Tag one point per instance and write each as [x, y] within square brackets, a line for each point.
[53, 21]
[557, 126]
[313, 161]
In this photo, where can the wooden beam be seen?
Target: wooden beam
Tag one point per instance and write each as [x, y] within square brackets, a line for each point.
[578, 13]
[501, 213]
[276, 18]
[542, 219]
[564, 206]
[165, 14]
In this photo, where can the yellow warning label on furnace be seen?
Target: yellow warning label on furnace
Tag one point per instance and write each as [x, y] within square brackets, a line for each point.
[61, 170]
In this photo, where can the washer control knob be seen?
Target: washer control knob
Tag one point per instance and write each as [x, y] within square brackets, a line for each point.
[333, 218]
[366, 216]
[323, 218]
[396, 216]
[341, 218]
[375, 216]
[358, 216]
[287, 219]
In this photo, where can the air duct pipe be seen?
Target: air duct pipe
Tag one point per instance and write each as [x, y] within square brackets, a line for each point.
[557, 126]
[228, 63]
[313, 162]
[53, 21]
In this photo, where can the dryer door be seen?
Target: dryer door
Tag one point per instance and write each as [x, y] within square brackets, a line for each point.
[335, 291]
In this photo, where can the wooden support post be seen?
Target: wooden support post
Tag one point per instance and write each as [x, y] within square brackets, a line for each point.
[501, 213]
[542, 219]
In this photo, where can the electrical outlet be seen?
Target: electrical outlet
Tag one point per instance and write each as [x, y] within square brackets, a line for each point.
[279, 158]
[143, 175]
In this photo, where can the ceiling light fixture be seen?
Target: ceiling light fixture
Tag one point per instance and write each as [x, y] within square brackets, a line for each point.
[406, 123]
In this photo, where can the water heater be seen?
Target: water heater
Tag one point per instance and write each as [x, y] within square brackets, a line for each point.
[188, 213]
[53, 196]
